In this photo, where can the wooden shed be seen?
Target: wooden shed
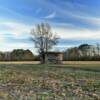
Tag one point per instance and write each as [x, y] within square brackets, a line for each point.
[53, 57]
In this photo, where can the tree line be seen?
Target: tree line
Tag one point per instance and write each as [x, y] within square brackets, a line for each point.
[84, 52]
[18, 55]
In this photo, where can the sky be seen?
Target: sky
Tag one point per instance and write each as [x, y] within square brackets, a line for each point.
[75, 22]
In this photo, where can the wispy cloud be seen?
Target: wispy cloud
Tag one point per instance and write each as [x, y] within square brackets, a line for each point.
[74, 11]
[50, 16]
[11, 46]
[38, 10]
[15, 28]
[83, 34]
[15, 35]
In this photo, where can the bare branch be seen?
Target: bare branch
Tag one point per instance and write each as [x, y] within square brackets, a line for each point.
[43, 37]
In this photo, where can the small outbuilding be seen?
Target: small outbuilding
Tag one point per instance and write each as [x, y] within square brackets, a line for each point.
[53, 57]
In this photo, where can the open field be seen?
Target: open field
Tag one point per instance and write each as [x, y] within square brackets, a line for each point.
[28, 81]
[19, 62]
[64, 62]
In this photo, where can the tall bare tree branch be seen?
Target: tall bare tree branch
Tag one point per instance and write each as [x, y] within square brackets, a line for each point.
[44, 39]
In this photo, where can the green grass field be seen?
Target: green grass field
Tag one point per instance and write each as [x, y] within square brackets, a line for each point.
[49, 82]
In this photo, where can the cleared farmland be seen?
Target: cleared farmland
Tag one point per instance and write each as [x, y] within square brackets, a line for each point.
[64, 62]
[28, 81]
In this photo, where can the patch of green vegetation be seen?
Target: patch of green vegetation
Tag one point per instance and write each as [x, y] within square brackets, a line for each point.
[49, 82]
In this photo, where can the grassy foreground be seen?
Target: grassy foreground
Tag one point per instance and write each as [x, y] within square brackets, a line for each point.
[49, 82]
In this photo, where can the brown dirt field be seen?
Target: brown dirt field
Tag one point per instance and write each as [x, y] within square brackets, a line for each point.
[19, 62]
[64, 62]
[82, 62]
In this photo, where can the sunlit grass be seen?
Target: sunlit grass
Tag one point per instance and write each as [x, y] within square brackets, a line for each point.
[49, 82]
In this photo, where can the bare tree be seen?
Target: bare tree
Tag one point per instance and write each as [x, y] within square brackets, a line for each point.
[44, 39]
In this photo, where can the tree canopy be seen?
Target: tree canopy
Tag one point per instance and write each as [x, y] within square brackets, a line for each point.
[44, 39]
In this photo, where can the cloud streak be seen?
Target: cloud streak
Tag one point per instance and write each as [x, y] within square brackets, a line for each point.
[50, 16]
[78, 34]
[74, 11]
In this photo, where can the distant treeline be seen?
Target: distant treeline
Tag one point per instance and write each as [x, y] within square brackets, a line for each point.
[18, 55]
[83, 52]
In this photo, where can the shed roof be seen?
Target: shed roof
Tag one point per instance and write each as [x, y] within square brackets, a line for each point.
[53, 52]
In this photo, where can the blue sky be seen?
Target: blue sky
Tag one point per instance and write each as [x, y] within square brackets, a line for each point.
[75, 21]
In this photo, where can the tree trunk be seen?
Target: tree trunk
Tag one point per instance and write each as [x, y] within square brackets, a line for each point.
[42, 57]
